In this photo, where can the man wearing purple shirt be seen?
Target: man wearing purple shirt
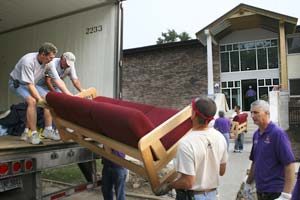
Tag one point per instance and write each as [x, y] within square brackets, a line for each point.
[222, 124]
[113, 177]
[250, 96]
[273, 167]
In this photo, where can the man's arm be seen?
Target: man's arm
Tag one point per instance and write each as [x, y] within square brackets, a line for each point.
[222, 169]
[183, 182]
[49, 84]
[251, 174]
[289, 178]
[62, 86]
[33, 91]
[77, 84]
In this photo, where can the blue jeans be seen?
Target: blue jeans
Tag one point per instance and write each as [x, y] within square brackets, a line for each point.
[239, 142]
[226, 135]
[207, 196]
[113, 177]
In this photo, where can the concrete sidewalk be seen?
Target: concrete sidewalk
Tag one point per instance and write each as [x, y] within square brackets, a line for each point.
[236, 168]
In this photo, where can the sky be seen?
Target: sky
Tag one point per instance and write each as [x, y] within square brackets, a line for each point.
[145, 20]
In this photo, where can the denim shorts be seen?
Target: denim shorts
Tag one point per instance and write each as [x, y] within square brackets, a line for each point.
[23, 91]
[207, 196]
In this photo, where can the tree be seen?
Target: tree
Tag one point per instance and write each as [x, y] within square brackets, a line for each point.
[172, 36]
[184, 36]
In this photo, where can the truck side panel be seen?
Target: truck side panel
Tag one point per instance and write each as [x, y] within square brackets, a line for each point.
[91, 35]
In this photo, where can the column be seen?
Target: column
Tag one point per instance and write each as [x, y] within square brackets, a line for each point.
[283, 68]
[210, 75]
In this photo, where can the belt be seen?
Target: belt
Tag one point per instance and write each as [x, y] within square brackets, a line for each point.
[203, 191]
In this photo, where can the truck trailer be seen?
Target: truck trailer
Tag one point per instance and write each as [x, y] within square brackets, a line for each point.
[92, 30]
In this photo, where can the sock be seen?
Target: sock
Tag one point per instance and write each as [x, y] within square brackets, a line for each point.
[48, 127]
[34, 132]
[26, 130]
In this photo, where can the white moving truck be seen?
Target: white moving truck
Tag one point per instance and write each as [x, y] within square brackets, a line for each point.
[92, 30]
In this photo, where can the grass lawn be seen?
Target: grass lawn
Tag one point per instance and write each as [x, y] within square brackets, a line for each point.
[68, 174]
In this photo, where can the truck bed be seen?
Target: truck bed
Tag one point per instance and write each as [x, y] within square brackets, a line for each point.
[13, 143]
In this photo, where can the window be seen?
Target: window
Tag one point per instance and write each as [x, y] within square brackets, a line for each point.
[275, 81]
[262, 58]
[293, 45]
[261, 82]
[245, 56]
[273, 57]
[224, 84]
[234, 61]
[224, 62]
[295, 86]
[248, 60]
[268, 82]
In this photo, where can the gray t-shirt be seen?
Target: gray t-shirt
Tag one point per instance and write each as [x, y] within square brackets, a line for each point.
[54, 71]
[28, 69]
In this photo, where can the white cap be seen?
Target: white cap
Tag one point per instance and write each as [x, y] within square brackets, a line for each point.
[70, 58]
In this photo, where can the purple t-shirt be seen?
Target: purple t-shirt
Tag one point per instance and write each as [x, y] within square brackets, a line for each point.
[270, 152]
[222, 124]
[110, 164]
[296, 192]
[250, 93]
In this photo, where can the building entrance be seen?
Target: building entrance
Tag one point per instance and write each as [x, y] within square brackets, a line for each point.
[249, 93]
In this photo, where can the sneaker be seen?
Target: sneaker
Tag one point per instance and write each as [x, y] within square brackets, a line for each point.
[34, 138]
[24, 136]
[51, 134]
[240, 151]
[235, 151]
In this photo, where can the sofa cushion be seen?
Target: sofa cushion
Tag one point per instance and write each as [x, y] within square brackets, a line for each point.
[124, 121]
[72, 108]
[124, 124]
[157, 116]
[139, 106]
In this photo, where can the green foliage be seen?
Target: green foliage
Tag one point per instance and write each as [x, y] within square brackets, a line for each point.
[184, 36]
[172, 36]
[68, 174]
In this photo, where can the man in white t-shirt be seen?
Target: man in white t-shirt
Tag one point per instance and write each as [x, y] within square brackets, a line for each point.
[201, 156]
[57, 70]
[27, 72]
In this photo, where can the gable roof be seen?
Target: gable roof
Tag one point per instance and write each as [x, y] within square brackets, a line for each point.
[245, 16]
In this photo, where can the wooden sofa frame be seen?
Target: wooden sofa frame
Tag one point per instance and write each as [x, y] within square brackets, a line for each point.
[151, 155]
[237, 128]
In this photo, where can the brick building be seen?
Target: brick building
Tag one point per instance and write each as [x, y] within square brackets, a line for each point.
[167, 75]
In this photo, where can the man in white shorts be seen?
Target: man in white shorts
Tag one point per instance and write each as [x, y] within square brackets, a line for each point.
[27, 72]
[56, 72]
[201, 156]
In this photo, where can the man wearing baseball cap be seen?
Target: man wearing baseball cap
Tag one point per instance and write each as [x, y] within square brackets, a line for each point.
[57, 70]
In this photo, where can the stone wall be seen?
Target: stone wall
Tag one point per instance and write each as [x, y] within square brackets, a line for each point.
[167, 75]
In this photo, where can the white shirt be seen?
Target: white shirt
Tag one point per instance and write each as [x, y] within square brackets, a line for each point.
[28, 69]
[200, 154]
[54, 71]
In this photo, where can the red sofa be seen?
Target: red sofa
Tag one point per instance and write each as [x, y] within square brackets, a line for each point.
[124, 121]
[145, 132]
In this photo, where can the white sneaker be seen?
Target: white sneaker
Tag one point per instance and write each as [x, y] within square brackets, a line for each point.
[24, 136]
[51, 134]
[34, 138]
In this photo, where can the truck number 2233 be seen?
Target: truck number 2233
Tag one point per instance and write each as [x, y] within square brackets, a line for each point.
[93, 29]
